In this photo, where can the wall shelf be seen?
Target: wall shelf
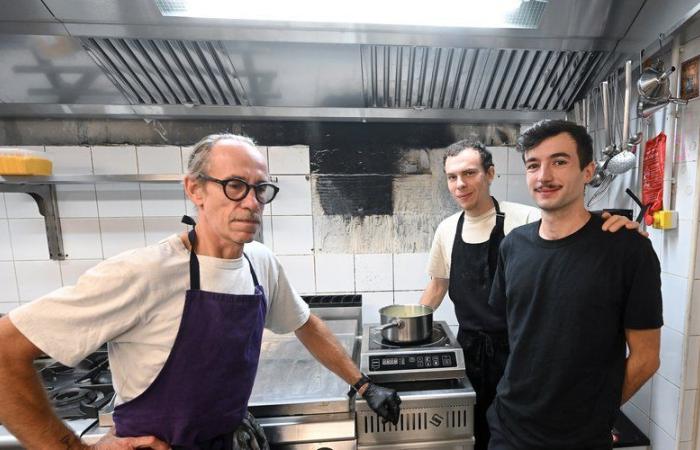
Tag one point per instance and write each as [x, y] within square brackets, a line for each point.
[43, 191]
[90, 179]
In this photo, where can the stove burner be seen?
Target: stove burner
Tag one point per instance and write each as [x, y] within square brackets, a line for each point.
[69, 396]
[437, 339]
[79, 392]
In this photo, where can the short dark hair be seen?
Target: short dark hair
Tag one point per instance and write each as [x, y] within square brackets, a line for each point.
[546, 129]
[470, 144]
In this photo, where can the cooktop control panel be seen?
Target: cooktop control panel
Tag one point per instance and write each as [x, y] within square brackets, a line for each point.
[412, 361]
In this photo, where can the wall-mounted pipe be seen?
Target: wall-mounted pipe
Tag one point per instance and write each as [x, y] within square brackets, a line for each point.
[671, 123]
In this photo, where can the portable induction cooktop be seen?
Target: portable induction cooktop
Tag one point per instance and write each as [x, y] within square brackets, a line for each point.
[437, 358]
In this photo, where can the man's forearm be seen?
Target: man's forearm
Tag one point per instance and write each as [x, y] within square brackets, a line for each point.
[435, 292]
[637, 372]
[323, 344]
[26, 413]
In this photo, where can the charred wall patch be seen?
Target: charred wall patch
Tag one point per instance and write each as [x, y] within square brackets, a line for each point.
[355, 195]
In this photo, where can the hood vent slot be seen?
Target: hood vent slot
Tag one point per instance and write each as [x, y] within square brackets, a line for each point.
[168, 72]
[471, 78]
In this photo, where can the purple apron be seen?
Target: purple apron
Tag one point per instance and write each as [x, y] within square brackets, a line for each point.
[201, 395]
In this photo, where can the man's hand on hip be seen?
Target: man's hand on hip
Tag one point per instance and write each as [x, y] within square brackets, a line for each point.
[111, 442]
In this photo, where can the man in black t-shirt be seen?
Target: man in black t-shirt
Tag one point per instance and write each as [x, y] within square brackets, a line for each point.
[575, 298]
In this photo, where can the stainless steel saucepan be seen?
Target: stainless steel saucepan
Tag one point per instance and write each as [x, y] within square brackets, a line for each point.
[406, 324]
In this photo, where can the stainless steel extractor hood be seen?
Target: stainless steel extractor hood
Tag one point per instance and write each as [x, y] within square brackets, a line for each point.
[110, 58]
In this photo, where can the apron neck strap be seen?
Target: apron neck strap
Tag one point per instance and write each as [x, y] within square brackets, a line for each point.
[499, 214]
[194, 262]
[252, 271]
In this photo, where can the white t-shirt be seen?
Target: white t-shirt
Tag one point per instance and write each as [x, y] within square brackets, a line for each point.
[134, 302]
[475, 230]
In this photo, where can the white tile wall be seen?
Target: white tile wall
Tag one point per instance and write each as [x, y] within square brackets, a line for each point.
[410, 271]
[692, 363]
[3, 211]
[642, 398]
[288, 160]
[675, 249]
[685, 198]
[697, 260]
[185, 155]
[661, 440]
[294, 197]
[162, 199]
[637, 416]
[300, 272]
[687, 417]
[21, 206]
[29, 239]
[407, 297]
[694, 327]
[665, 399]
[267, 232]
[500, 158]
[120, 234]
[37, 278]
[674, 293]
[517, 190]
[372, 302]
[119, 200]
[373, 272]
[293, 235]
[6, 307]
[81, 238]
[72, 269]
[5, 241]
[671, 355]
[8, 281]
[335, 272]
[159, 228]
[77, 200]
[515, 162]
[499, 186]
[117, 160]
[159, 159]
[71, 160]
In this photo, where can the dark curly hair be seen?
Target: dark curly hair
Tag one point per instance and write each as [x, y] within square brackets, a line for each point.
[546, 129]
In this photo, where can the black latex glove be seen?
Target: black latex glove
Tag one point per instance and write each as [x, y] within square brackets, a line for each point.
[384, 401]
[249, 435]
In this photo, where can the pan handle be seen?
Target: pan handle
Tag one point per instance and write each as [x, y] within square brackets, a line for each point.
[398, 323]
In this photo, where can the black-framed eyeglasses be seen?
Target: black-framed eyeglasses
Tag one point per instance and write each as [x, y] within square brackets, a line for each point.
[237, 189]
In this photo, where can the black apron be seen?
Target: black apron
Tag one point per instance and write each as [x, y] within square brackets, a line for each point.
[482, 333]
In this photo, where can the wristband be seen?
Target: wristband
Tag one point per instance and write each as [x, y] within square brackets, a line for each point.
[364, 379]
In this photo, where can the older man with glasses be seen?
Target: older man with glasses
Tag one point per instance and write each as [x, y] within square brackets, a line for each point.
[183, 320]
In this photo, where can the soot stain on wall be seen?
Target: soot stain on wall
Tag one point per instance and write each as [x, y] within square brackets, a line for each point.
[355, 195]
[355, 168]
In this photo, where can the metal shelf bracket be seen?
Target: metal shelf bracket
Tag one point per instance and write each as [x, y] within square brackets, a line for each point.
[46, 200]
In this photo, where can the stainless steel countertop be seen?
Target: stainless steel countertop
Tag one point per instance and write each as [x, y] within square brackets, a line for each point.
[290, 381]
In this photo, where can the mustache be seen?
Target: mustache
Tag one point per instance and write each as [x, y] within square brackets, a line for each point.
[257, 218]
[547, 186]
